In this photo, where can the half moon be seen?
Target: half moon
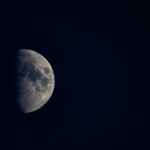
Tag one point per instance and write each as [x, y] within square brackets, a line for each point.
[34, 80]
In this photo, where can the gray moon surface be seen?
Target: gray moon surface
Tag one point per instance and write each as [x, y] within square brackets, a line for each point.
[35, 80]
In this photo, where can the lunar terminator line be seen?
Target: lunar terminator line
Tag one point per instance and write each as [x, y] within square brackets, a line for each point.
[35, 80]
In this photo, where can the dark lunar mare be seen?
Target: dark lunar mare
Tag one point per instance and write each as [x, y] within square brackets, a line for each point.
[46, 70]
[28, 70]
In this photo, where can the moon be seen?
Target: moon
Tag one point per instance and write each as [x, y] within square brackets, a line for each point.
[35, 80]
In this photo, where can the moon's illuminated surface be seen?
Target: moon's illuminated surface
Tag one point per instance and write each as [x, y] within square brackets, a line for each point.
[34, 80]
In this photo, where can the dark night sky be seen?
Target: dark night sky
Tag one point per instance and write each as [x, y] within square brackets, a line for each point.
[99, 53]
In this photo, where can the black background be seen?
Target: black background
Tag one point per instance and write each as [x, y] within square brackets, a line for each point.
[99, 53]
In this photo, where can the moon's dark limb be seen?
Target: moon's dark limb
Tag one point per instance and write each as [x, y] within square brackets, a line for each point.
[35, 80]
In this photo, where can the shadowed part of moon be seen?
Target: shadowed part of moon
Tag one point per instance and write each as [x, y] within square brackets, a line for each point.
[35, 80]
